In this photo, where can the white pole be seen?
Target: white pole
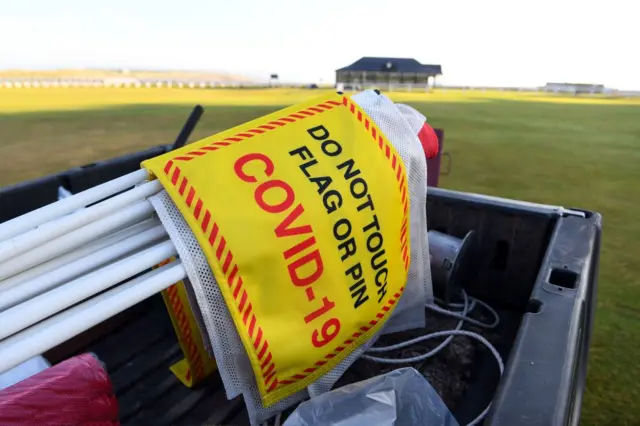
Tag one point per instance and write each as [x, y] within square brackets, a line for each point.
[82, 251]
[72, 270]
[127, 216]
[53, 331]
[57, 227]
[44, 214]
[43, 306]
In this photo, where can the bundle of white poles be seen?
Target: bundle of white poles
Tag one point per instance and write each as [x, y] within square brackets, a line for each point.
[75, 263]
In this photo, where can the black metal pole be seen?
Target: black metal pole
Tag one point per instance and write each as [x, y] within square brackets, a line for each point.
[188, 127]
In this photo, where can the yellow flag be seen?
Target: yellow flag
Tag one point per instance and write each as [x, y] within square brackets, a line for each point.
[303, 218]
[196, 364]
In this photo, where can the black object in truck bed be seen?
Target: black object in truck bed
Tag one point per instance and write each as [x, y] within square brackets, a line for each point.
[538, 267]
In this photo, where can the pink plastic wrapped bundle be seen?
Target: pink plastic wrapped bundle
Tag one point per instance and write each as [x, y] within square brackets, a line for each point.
[76, 391]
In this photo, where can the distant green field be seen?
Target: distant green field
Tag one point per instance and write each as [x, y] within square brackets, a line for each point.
[577, 152]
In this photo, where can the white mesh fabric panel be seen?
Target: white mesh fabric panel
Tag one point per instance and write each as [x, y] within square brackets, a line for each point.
[389, 118]
[413, 117]
[410, 311]
[197, 315]
[416, 120]
[231, 358]
[258, 413]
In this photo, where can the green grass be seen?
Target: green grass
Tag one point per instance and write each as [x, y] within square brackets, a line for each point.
[578, 152]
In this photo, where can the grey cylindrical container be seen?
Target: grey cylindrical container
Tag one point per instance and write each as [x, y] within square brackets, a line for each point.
[449, 260]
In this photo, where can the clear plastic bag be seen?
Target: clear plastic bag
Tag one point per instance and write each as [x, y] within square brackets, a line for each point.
[401, 397]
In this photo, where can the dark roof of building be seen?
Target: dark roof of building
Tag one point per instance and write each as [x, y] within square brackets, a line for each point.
[392, 65]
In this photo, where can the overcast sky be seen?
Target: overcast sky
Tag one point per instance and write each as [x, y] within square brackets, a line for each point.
[482, 42]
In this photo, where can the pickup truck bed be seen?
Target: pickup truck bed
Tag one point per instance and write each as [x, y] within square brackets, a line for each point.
[536, 265]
